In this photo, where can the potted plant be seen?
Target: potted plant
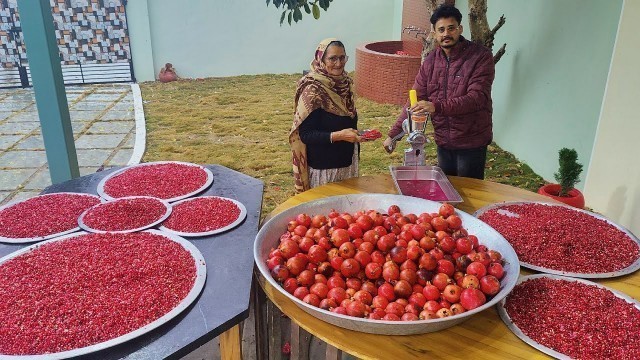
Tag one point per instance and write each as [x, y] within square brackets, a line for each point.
[567, 177]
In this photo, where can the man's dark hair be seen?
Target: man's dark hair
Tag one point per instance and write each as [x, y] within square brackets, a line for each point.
[446, 11]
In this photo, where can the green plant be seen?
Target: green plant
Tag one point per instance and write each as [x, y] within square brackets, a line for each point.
[569, 171]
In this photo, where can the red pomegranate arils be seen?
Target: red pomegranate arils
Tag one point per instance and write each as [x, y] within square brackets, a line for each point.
[44, 215]
[562, 239]
[88, 289]
[371, 134]
[124, 214]
[579, 320]
[202, 215]
[164, 181]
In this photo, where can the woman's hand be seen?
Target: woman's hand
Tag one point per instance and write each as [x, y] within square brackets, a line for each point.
[350, 135]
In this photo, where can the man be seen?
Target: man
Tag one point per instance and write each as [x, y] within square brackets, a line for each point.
[454, 86]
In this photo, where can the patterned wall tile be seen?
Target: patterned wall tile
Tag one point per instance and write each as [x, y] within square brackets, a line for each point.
[88, 32]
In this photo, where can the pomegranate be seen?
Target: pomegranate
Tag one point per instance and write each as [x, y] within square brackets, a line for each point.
[471, 298]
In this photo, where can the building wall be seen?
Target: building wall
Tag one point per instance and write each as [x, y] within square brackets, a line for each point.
[87, 31]
[612, 186]
[550, 83]
[235, 37]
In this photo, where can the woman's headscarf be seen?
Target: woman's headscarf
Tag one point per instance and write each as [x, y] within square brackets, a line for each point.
[317, 90]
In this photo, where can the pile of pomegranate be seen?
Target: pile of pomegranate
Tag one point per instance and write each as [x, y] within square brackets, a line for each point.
[160, 180]
[578, 319]
[394, 266]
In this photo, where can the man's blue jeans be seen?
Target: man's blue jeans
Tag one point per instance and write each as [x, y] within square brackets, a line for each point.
[463, 162]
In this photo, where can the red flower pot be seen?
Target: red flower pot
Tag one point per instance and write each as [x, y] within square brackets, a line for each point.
[574, 198]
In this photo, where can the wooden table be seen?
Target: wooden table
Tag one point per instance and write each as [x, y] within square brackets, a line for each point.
[483, 336]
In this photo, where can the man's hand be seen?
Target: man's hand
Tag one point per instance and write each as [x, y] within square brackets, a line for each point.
[423, 107]
[349, 135]
[389, 145]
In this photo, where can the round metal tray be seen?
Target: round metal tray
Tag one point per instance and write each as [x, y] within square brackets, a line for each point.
[40, 238]
[516, 330]
[208, 182]
[198, 285]
[269, 235]
[86, 227]
[241, 217]
[629, 269]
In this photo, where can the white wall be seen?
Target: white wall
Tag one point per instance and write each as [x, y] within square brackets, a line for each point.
[612, 186]
[204, 38]
[550, 83]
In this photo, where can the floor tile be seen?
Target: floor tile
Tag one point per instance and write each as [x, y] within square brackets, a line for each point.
[121, 158]
[11, 179]
[19, 128]
[92, 157]
[33, 142]
[114, 127]
[7, 141]
[23, 159]
[107, 141]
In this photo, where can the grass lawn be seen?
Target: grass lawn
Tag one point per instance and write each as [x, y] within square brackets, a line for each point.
[243, 123]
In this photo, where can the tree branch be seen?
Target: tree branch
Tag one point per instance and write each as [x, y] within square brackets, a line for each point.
[499, 53]
[492, 34]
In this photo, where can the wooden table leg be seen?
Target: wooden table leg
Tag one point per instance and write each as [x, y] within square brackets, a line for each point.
[300, 342]
[231, 343]
[274, 331]
[333, 353]
[259, 304]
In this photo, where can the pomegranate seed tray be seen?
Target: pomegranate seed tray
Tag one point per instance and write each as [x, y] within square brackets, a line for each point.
[43, 217]
[570, 242]
[125, 215]
[87, 329]
[204, 215]
[168, 180]
[269, 236]
[571, 321]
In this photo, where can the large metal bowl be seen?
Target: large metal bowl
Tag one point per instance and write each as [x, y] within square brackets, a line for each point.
[269, 235]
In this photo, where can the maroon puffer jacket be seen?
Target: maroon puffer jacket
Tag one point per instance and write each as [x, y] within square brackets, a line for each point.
[460, 89]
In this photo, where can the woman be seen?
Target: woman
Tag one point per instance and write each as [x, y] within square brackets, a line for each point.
[324, 138]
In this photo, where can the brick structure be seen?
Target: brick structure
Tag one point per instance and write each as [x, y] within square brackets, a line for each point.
[415, 13]
[382, 75]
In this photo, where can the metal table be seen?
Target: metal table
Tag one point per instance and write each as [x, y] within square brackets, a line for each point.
[224, 301]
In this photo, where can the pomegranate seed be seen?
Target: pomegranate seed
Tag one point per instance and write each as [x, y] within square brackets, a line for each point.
[202, 214]
[125, 214]
[164, 181]
[579, 320]
[44, 215]
[562, 239]
[90, 288]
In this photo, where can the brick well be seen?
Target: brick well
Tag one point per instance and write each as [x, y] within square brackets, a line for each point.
[383, 76]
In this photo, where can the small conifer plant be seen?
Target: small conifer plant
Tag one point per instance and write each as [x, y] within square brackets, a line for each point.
[569, 172]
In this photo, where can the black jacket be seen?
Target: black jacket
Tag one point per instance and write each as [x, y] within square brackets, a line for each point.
[315, 133]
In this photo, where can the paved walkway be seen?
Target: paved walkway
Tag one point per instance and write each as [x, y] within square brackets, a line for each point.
[104, 128]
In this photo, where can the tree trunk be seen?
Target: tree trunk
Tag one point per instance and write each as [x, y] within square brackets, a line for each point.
[479, 27]
[428, 42]
[478, 24]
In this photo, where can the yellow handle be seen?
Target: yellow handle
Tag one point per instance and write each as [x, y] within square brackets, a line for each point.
[413, 97]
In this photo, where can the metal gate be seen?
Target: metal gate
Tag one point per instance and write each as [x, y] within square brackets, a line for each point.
[92, 36]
